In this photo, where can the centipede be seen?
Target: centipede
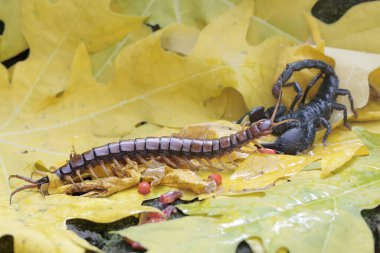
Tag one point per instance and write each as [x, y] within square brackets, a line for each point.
[171, 151]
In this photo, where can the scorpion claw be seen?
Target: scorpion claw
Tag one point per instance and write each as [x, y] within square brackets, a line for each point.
[291, 142]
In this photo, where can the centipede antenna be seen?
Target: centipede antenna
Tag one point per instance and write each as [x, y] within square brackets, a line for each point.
[277, 105]
[29, 186]
[27, 179]
[284, 121]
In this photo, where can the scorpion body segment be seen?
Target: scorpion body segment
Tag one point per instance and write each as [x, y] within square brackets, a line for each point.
[171, 151]
[298, 135]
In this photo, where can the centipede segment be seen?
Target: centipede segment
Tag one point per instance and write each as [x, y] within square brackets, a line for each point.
[113, 158]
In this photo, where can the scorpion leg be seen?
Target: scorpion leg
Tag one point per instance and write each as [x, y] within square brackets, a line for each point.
[327, 125]
[309, 86]
[254, 115]
[344, 92]
[280, 111]
[297, 88]
[343, 108]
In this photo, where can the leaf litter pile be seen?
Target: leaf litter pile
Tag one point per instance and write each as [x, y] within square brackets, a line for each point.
[97, 73]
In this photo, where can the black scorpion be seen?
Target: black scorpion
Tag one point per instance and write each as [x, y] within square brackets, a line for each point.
[298, 135]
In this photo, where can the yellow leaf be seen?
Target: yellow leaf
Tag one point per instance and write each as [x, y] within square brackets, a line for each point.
[170, 78]
[259, 171]
[187, 179]
[12, 41]
[291, 21]
[353, 68]
[102, 62]
[352, 31]
[371, 111]
[374, 80]
[341, 146]
[196, 13]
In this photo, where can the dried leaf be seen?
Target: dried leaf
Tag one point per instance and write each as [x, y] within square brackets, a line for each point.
[187, 179]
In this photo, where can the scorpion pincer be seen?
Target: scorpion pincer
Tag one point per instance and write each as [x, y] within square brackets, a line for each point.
[298, 135]
[172, 151]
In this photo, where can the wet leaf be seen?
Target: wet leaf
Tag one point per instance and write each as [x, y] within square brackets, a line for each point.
[307, 214]
[54, 103]
[341, 147]
[94, 76]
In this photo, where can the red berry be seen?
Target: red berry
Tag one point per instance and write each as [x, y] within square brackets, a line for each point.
[217, 178]
[169, 210]
[155, 215]
[135, 245]
[170, 197]
[143, 188]
[267, 151]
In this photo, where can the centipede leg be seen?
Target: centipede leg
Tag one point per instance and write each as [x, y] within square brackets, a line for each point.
[118, 169]
[91, 170]
[77, 172]
[208, 163]
[115, 171]
[168, 162]
[143, 161]
[200, 161]
[221, 163]
[232, 161]
[104, 168]
[130, 163]
[181, 161]
[192, 166]
[42, 192]
[70, 179]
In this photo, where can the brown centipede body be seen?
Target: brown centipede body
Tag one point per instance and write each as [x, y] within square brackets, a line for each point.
[172, 151]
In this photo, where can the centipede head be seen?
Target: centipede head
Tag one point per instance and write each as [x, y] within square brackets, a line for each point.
[33, 184]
